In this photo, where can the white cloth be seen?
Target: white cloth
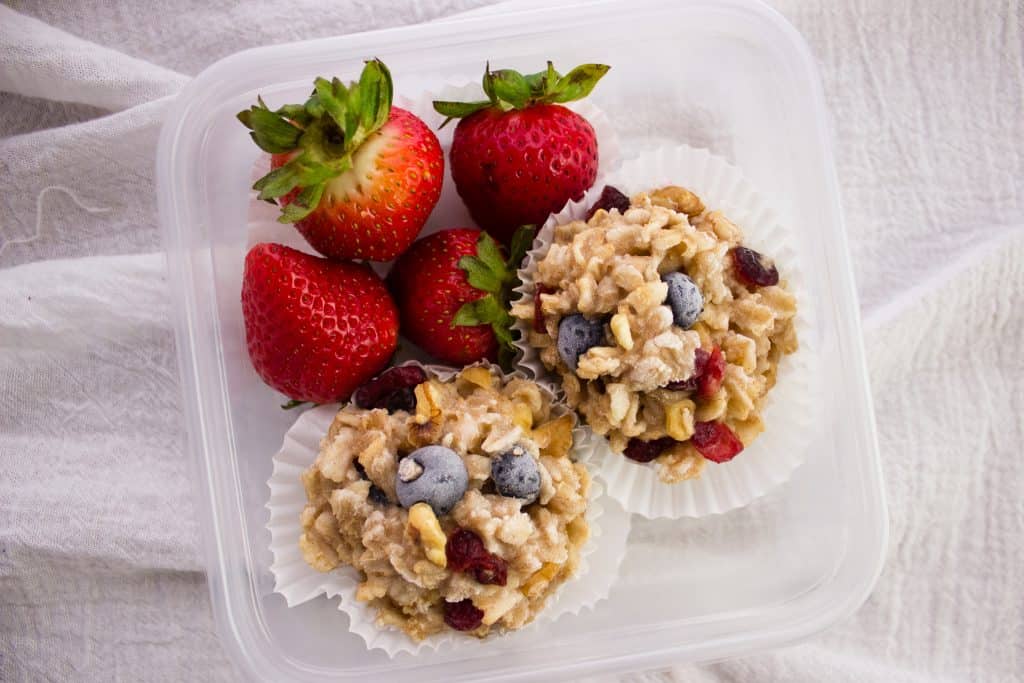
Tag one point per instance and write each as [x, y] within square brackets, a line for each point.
[99, 571]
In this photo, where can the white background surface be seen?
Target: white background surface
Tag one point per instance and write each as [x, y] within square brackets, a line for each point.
[99, 572]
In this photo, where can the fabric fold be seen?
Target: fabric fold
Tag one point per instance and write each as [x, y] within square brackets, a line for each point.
[38, 60]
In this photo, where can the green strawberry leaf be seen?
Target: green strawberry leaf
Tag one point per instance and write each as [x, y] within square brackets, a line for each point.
[536, 83]
[578, 83]
[292, 404]
[511, 87]
[522, 240]
[271, 131]
[313, 172]
[303, 204]
[458, 110]
[313, 108]
[503, 331]
[296, 113]
[550, 78]
[466, 316]
[488, 251]
[542, 82]
[482, 311]
[480, 275]
[375, 93]
[488, 84]
[277, 183]
[495, 276]
[333, 96]
[489, 311]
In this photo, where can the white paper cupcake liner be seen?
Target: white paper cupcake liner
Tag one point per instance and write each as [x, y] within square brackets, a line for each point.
[449, 212]
[298, 582]
[791, 406]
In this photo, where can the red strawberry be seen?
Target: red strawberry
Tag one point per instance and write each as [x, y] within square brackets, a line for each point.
[452, 288]
[357, 176]
[519, 155]
[315, 329]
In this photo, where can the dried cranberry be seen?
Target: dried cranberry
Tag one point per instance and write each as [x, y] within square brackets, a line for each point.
[712, 374]
[463, 615]
[463, 549]
[700, 361]
[715, 441]
[391, 389]
[490, 569]
[753, 269]
[466, 553]
[610, 199]
[538, 313]
[646, 451]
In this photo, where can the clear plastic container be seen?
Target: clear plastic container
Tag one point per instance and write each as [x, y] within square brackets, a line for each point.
[737, 79]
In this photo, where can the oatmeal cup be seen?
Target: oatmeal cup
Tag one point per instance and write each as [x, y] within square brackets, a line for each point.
[671, 336]
[457, 506]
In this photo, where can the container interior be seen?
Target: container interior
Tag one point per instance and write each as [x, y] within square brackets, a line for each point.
[728, 76]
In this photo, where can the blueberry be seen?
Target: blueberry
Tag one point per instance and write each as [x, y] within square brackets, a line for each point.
[377, 495]
[576, 335]
[434, 475]
[516, 474]
[684, 298]
[401, 399]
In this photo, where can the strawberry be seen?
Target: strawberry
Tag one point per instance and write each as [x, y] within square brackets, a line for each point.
[453, 288]
[316, 329]
[356, 176]
[519, 155]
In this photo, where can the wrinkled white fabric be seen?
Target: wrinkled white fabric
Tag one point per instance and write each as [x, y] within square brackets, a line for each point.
[39, 60]
[100, 576]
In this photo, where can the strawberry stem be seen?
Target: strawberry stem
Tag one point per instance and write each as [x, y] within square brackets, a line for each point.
[321, 135]
[491, 273]
[508, 89]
